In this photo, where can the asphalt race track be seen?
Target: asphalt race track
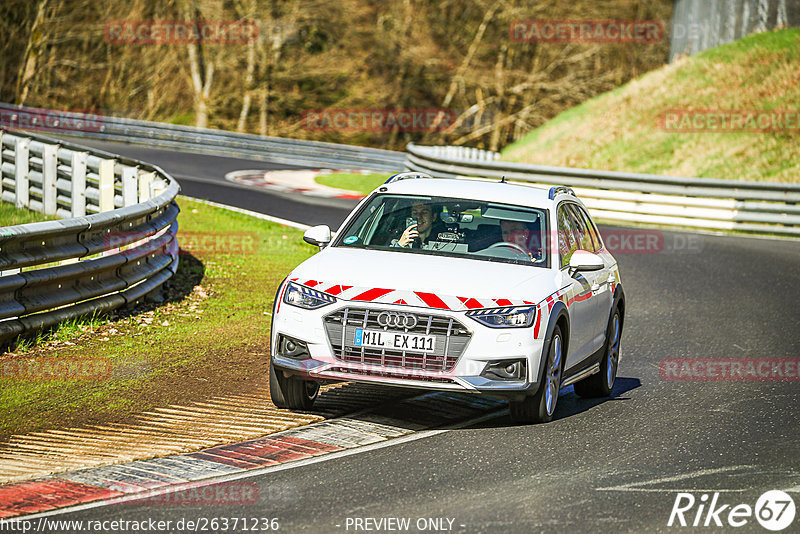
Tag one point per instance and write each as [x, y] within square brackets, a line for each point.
[203, 176]
[613, 465]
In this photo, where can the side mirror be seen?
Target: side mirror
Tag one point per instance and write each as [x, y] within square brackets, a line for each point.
[318, 235]
[583, 260]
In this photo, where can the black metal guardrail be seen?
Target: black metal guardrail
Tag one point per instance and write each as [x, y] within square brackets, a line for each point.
[203, 140]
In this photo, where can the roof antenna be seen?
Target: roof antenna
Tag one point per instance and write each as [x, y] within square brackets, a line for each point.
[503, 180]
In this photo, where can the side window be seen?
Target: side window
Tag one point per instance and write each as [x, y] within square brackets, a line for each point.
[584, 232]
[598, 243]
[368, 230]
[566, 235]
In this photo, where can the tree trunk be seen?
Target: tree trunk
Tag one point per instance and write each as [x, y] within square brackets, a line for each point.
[202, 79]
[32, 52]
[458, 77]
[202, 75]
[500, 90]
[248, 87]
[247, 90]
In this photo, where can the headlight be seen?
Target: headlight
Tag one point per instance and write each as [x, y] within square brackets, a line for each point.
[518, 317]
[305, 297]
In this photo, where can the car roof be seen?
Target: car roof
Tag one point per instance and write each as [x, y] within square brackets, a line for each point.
[474, 189]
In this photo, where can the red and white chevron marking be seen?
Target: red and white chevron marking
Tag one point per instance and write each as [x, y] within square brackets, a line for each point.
[408, 298]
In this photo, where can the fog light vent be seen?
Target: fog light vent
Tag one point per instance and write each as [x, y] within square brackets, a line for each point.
[505, 370]
[292, 348]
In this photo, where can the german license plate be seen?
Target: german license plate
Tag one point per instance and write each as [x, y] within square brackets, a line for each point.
[381, 339]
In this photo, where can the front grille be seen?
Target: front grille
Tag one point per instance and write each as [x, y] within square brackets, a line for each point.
[452, 338]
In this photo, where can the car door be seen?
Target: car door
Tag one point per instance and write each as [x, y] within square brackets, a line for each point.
[577, 289]
[599, 281]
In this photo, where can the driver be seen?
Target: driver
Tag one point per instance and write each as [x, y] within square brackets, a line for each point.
[526, 235]
[427, 228]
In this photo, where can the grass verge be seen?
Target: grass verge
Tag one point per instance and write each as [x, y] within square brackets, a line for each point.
[360, 183]
[625, 129]
[209, 337]
[11, 215]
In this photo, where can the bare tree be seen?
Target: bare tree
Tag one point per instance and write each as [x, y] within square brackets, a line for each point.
[247, 89]
[33, 50]
[201, 68]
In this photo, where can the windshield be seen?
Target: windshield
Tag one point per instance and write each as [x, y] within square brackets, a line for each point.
[443, 226]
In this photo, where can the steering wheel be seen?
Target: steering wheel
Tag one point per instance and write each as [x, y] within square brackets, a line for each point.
[512, 246]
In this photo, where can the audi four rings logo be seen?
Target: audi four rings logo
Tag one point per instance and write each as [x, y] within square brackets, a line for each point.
[397, 320]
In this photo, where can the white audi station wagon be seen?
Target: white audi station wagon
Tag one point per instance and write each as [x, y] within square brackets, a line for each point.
[482, 287]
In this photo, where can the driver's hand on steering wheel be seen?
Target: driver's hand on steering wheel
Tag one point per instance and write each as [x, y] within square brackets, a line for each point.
[515, 247]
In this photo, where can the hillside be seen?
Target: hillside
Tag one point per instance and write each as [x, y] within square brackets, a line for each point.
[644, 125]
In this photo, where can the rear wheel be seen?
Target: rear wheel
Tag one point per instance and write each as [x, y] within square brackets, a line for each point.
[540, 407]
[291, 392]
[601, 384]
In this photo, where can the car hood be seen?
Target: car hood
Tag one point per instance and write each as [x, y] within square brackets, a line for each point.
[423, 280]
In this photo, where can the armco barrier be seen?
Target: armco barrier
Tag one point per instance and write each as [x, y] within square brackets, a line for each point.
[203, 140]
[715, 204]
[116, 244]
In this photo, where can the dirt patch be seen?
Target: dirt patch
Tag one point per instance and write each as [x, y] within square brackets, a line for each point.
[207, 336]
[236, 369]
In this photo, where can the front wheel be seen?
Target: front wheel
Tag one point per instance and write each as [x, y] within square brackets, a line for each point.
[291, 392]
[540, 407]
[601, 384]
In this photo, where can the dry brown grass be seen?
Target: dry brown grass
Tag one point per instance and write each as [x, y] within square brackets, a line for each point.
[620, 130]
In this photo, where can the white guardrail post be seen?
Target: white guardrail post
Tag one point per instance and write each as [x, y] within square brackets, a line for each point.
[714, 204]
[145, 185]
[49, 164]
[106, 185]
[127, 253]
[78, 191]
[130, 186]
[21, 165]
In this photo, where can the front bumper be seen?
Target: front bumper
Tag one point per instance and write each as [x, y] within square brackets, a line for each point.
[485, 345]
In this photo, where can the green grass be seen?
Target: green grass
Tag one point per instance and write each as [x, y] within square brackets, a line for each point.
[209, 338]
[360, 183]
[11, 215]
[621, 130]
[63, 332]
[182, 119]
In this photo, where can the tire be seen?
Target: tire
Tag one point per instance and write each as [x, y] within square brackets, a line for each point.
[291, 392]
[600, 384]
[539, 408]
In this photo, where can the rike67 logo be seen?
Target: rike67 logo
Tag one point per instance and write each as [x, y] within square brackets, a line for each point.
[774, 510]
